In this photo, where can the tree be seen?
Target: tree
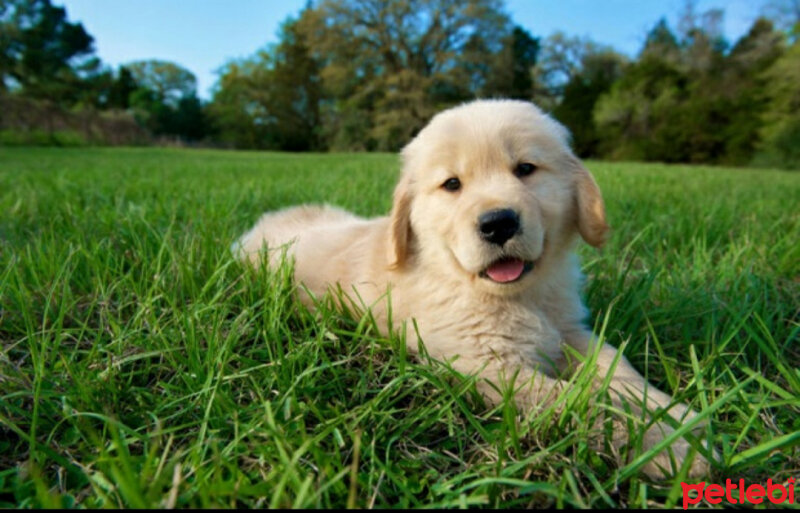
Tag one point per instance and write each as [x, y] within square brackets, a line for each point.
[510, 72]
[239, 109]
[121, 88]
[188, 120]
[685, 99]
[639, 105]
[785, 14]
[702, 42]
[661, 43]
[368, 74]
[747, 86]
[600, 68]
[41, 52]
[389, 66]
[780, 131]
[9, 37]
[569, 77]
[296, 91]
[169, 81]
[165, 99]
[561, 58]
[640, 117]
[273, 99]
[689, 99]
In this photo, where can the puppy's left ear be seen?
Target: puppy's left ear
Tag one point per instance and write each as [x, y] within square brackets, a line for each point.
[400, 224]
[591, 212]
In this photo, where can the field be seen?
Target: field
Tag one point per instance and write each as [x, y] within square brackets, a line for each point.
[142, 366]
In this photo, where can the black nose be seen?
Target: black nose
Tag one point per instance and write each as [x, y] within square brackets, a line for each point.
[497, 226]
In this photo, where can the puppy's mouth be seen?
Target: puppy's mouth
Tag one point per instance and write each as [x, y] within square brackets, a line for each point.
[507, 270]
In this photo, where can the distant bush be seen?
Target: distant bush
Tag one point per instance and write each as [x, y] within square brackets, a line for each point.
[13, 138]
[782, 147]
[65, 138]
[25, 121]
[68, 138]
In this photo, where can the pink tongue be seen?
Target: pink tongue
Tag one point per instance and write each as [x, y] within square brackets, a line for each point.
[506, 270]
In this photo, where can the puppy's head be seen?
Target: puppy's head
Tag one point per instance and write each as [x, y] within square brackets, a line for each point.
[491, 191]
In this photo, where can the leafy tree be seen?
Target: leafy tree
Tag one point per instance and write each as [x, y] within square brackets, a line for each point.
[9, 37]
[121, 88]
[745, 84]
[560, 60]
[389, 66]
[296, 91]
[662, 43]
[599, 70]
[169, 81]
[368, 74]
[687, 99]
[238, 110]
[273, 99]
[510, 72]
[570, 76]
[188, 120]
[165, 98]
[41, 52]
[640, 104]
[785, 14]
[702, 42]
[780, 131]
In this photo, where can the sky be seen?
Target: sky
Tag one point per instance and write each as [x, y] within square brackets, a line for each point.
[202, 35]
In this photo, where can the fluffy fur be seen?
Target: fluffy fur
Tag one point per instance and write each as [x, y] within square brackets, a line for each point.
[429, 254]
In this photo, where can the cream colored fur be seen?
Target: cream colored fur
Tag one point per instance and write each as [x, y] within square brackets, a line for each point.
[429, 255]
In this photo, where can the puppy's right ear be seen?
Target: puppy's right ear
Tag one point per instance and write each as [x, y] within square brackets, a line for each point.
[592, 223]
[400, 224]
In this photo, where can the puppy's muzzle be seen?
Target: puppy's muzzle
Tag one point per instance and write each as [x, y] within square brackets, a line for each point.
[497, 226]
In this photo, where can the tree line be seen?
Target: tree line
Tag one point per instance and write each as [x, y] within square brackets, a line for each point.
[366, 75]
[53, 87]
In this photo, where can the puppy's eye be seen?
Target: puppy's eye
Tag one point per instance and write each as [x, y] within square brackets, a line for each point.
[452, 184]
[524, 169]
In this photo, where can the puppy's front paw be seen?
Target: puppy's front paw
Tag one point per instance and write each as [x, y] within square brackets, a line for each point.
[669, 461]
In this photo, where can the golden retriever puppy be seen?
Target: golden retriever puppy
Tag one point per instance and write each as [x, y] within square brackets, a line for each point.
[478, 250]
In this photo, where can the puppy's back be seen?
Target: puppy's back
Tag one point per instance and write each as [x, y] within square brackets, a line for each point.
[275, 230]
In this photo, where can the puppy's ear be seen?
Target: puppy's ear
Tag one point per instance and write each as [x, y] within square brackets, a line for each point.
[591, 212]
[400, 224]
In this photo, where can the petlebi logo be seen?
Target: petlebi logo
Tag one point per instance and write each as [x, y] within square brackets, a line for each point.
[738, 492]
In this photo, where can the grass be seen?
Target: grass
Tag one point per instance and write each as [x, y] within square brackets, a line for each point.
[142, 367]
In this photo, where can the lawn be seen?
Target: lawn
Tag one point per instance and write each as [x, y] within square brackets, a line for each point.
[142, 366]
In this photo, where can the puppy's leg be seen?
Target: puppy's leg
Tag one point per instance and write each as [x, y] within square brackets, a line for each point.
[629, 388]
[531, 390]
